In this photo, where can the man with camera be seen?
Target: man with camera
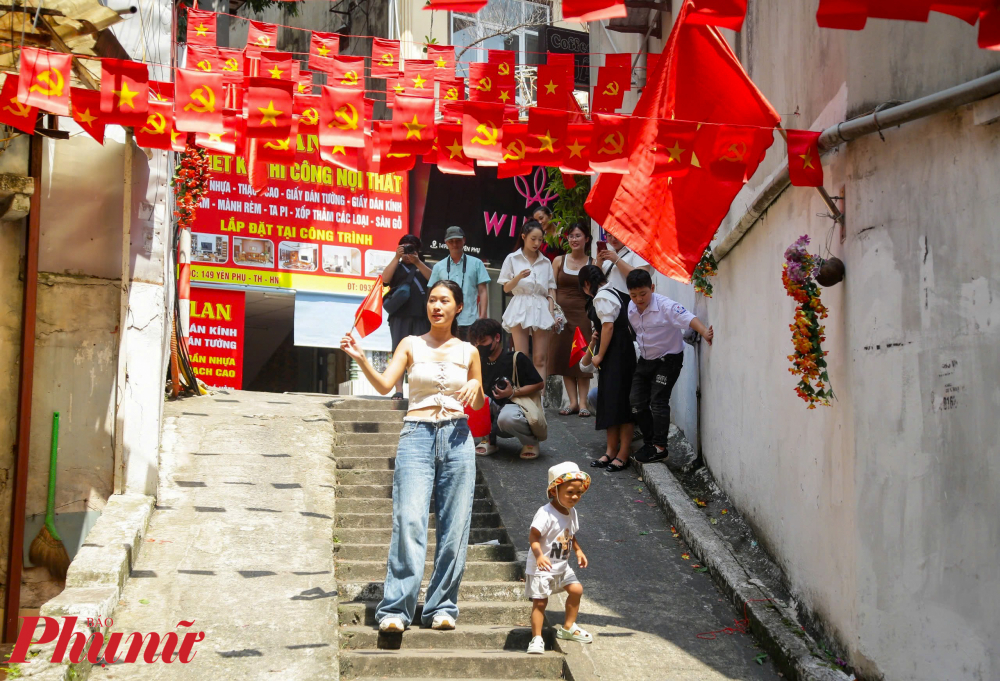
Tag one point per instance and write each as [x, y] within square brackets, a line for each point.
[468, 272]
[406, 304]
[498, 382]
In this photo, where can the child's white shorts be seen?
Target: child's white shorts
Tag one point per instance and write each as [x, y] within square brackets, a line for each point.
[544, 584]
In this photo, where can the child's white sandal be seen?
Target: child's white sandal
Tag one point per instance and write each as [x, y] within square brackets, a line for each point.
[536, 646]
[574, 633]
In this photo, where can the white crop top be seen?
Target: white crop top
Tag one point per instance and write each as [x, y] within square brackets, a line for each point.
[436, 374]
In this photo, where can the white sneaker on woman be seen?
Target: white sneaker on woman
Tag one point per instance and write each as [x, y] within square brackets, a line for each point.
[443, 623]
[391, 625]
[537, 646]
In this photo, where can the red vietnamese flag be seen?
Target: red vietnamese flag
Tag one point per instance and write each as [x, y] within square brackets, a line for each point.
[673, 150]
[722, 13]
[304, 83]
[482, 123]
[471, 6]
[13, 112]
[546, 137]
[347, 158]
[910, 10]
[412, 125]
[306, 107]
[452, 90]
[44, 80]
[124, 91]
[804, 166]
[505, 61]
[388, 160]
[484, 82]
[554, 85]
[322, 47]
[86, 109]
[506, 94]
[443, 57]
[670, 221]
[203, 58]
[846, 14]
[593, 10]
[342, 121]
[578, 349]
[156, 132]
[161, 91]
[369, 314]
[261, 36]
[609, 147]
[198, 102]
[201, 27]
[451, 158]
[347, 71]
[577, 159]
[227, 142]
[269, 108]
[989, 29]
[418, 77]
[515, 147]
[612, 84]
[385, 58]
[452, 112]
[276, 65]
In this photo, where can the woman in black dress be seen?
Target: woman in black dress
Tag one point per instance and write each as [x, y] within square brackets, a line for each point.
[614, 356]
[410, 317]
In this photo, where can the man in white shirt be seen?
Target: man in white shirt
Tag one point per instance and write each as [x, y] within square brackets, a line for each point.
[622, 261]
[659, 324]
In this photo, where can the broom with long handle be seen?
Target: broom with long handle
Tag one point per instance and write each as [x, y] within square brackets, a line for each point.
[47, 549]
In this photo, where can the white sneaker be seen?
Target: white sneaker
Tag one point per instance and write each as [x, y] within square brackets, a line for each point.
[392, 625]
[537, 646]
[443, 623]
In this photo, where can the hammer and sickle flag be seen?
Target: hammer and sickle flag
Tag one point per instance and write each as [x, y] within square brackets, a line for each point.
[385, 58]
[505, 61]
[612, 84]
[412, 125]
[347, 71]
[593, 10]
[451, 90]
[418, 78]
[609, 147]
[269, 108]
[482, 123]
[204, 58]
[306, 107]
[199, 101]
[728, 151]
[674, 149]
[231, 64]
[261, 36]
[484, 82]
[124, 91]
[390, 160]
[44, 80]
[14, 113]
[342, 118]
[322, 48]
[156, 132]
[86, 111]
[515, 148]
[278, 150]
[201, 27]
[443, 57]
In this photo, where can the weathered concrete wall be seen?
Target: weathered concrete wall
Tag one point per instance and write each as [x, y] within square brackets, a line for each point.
[882, 509]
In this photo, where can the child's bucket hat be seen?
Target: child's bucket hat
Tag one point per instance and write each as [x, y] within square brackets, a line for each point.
[566, 472]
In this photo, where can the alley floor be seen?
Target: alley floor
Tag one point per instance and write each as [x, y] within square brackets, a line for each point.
[643, 601]
[240, 542]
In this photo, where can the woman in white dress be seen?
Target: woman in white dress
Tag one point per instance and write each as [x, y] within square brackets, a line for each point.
[527, 275]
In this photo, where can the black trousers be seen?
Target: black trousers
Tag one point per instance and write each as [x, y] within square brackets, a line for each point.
[652, 384]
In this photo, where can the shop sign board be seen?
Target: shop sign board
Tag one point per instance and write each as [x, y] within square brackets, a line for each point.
[314, 228]
[577, 43]
[216, 336]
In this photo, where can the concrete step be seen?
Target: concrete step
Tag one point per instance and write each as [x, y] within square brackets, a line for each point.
[468, 591]
[384, 492]
[385, 506]
[368, 463]
[494, 614]
[483, 636]
[343, 428]
[487, 571]
[364, 450]
[366, 438]
[370, 403]
[366, 416]
[384, 520]
[412, 678]
[367, 535]
[355, 476]
[450, 664]
[380, 551]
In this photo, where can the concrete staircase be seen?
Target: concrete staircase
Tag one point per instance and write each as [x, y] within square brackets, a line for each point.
[493, 626]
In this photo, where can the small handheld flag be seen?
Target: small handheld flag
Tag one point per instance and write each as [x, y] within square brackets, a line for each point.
[369, 314]
[579, 347]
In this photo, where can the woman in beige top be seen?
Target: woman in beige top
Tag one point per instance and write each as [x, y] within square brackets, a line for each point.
[436, 456]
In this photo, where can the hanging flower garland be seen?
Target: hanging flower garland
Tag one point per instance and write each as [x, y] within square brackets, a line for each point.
[808, 361]
[707, 267]
[190, 184]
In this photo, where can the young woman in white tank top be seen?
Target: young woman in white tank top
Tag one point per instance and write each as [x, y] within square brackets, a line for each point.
[436, 456]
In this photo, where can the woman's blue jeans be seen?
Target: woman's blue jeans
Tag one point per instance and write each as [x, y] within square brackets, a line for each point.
[439, 459]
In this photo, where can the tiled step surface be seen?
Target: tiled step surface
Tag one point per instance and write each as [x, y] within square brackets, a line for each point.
[494, 620]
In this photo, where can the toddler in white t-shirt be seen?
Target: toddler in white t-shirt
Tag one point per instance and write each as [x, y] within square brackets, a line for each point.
[553, 536]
